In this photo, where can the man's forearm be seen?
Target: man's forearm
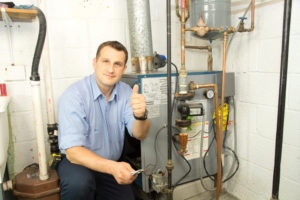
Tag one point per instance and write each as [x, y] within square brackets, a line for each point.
[140, 129]
[83, 156]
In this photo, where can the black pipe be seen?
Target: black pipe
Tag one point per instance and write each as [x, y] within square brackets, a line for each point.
[39, 45]
[281, 98]
[169, 94]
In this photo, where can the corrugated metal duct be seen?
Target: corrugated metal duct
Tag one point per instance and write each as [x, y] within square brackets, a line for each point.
[140, 35]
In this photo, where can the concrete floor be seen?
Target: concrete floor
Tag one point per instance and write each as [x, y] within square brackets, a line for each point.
[212, 196]
[189, 191]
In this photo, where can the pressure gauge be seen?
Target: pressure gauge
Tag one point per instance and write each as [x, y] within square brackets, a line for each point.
[209, 93]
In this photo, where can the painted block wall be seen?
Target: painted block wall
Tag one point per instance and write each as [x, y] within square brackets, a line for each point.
[77, 27]
[255, 58]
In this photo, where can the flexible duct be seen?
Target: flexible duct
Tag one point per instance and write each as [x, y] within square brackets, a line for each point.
[140, 35]
[39, 46]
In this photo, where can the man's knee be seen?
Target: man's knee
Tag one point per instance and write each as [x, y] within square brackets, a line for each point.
[76, 182]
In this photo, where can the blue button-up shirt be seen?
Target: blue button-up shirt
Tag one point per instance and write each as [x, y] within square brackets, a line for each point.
[87, 119]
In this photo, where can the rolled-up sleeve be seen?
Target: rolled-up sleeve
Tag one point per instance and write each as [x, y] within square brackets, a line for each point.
[128, 114]
[73, 126]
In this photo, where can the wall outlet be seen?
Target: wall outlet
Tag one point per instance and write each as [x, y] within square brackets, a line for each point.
[13, 73]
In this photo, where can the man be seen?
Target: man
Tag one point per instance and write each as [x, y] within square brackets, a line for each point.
[93, 114]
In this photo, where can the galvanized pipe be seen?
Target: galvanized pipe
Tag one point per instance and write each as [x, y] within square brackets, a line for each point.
[169, 165]
[281, 98]
[139, 21]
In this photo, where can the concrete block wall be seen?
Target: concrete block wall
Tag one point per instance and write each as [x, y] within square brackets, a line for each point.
[255, 57]
[77, 27]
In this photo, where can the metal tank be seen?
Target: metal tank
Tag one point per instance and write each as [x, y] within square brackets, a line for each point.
[215, 13]
[140, 35]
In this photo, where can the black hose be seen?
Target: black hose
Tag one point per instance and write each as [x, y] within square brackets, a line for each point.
[281, 98]
[39, 45]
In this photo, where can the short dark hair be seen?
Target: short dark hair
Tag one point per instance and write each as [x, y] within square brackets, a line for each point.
[114, 44]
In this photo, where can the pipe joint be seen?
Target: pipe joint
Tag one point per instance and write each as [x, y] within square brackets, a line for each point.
[170, 165]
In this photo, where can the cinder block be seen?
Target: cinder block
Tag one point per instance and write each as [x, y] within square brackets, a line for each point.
[289, 189]
[65, 33]
[260, 180]
[291, 132]
[70, 63]
[25, 154]
[266, 121]
[246, 125]
[20, 93]
[293, 97]
[294, 49]
[269, 55]
[290, 162]
[113, 29]
[263, 88]
[23, 126]
[261, 152]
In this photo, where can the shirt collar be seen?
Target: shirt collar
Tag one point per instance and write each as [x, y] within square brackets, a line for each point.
[97, 92]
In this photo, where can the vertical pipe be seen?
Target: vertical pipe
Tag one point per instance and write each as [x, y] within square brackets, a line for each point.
[51, 125]
[39, 129]
[183, 34]
[252, 14]
[281, 98]
[169, 164]
[219, 136]
[183, 75]
[139, 22]
[36, 96]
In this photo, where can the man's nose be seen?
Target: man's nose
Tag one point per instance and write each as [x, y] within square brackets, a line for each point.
[111, 68]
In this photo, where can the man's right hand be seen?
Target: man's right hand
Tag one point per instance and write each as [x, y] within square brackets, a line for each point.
[122, 173]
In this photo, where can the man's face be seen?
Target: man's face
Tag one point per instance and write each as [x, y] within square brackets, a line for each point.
[109, 67]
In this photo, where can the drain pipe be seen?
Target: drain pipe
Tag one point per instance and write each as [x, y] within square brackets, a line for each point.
[52, 126]
[36, 96]
[169, 165]
[281, 98]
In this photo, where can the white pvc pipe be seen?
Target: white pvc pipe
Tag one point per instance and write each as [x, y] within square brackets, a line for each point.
[47, 75]
[39, 129]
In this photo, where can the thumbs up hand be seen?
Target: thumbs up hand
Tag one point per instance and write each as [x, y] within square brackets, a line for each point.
[138, 102]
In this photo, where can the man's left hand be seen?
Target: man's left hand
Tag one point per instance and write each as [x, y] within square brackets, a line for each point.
[138, 102]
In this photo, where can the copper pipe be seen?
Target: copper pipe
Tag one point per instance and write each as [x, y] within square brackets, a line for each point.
[192, 87]
[209, 58]
[202, 30]
[252, 15]
[177, 10]
[188, 10]
[182, 35]
[219, 141]
[241, 25]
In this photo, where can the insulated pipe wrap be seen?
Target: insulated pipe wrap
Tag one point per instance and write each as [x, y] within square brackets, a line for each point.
[139, 21]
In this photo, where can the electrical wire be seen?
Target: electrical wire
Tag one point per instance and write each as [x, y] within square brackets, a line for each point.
[225, 147]
[176, 85]
[155, 149]
[188, 163]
